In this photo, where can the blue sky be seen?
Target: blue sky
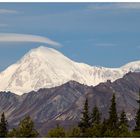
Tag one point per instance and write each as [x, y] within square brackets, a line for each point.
[104, 34]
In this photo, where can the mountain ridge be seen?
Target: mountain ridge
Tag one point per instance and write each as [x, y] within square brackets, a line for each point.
[45, 67]
[65, 102]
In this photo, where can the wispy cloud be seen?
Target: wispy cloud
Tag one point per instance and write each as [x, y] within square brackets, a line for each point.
[13, 37]
[8, 11]
[111, 6]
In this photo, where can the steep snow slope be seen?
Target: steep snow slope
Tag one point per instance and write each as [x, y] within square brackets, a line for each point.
[45, 67]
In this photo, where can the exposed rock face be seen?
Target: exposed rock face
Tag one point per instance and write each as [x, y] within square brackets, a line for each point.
[64, 103]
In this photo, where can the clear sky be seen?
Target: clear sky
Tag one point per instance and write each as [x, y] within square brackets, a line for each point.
[104, 34]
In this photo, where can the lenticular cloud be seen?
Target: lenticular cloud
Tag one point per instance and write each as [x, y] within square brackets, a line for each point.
[13, 37]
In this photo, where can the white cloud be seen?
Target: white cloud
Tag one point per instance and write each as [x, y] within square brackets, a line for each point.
[8, 11]
[13, 37]
[112, 6]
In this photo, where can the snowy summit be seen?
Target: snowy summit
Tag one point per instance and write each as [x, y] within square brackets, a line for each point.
[45, 67]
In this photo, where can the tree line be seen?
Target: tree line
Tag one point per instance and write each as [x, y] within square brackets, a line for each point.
[25, 129]
[91, 124]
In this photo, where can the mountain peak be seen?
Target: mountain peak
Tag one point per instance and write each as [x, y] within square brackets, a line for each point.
[42, 50]
[44, 54]
[45, 67]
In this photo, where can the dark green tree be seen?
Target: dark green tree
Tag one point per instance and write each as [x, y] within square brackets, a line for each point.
[123, 119]
[84, 123]
[57, 132]
[136, 131]
[25, 129]
[74, 132]
[123, 126]
[95, 116]
[137, 118]
[3, 126]
[113, 117]
[112, 123]
[104, 127]
[13, 133]
[95, 130]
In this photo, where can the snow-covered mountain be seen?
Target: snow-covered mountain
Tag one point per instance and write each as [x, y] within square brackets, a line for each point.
[45, 67]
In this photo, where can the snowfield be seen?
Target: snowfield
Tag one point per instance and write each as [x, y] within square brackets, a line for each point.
[45, 67]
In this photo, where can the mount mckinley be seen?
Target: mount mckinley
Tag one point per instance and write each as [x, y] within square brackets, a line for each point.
[46, 67]
[51, 88]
